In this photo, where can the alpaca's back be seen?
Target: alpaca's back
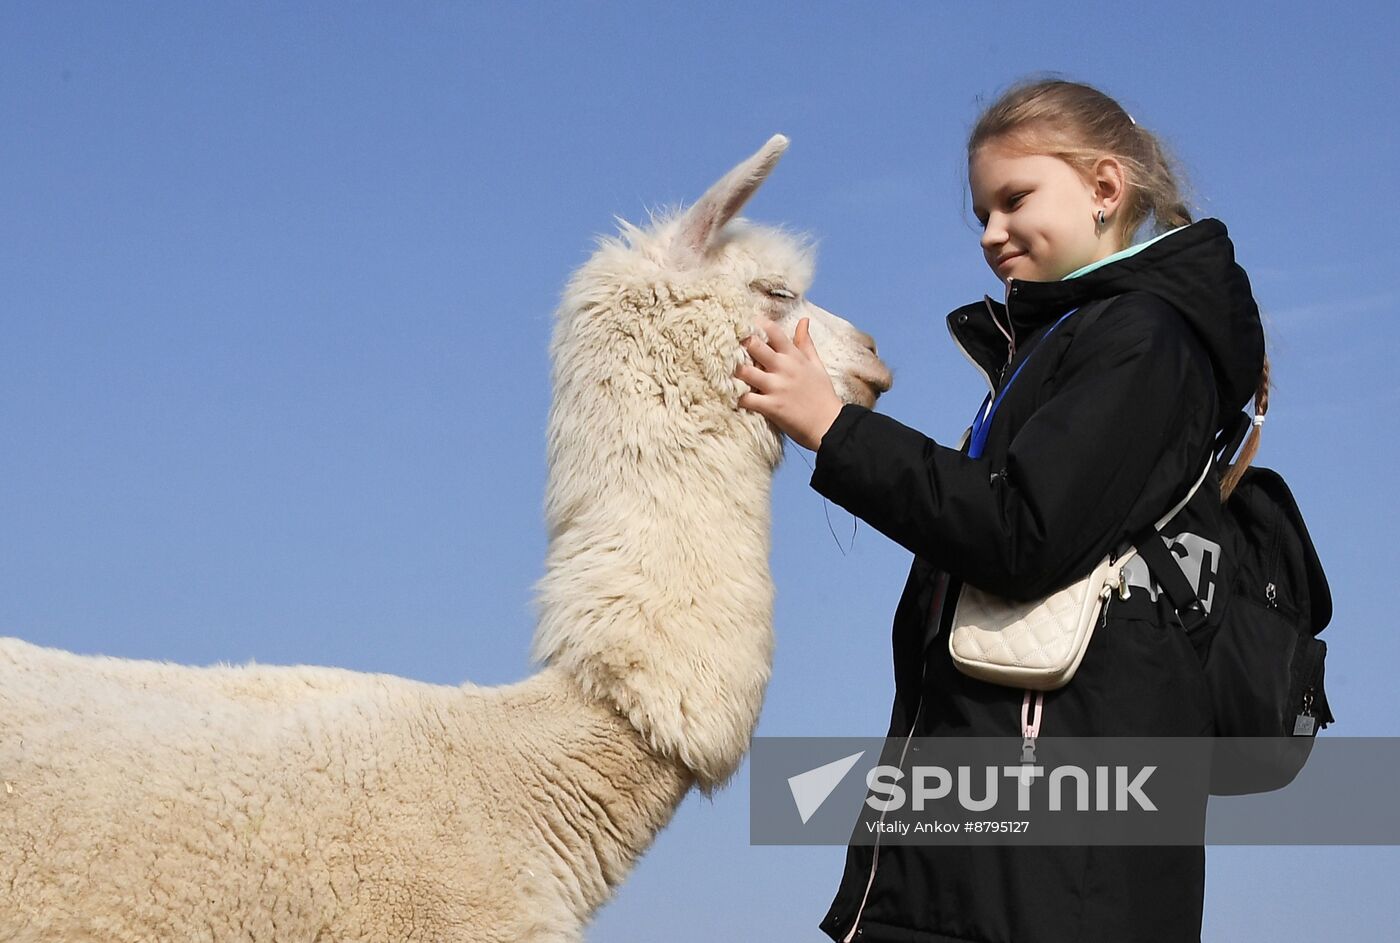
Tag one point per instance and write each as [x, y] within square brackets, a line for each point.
[68, 680]
[149, 793]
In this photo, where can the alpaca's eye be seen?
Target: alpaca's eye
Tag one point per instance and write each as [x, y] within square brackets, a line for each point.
[773, 288]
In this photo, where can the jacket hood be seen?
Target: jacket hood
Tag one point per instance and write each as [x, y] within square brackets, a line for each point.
[1193, 269]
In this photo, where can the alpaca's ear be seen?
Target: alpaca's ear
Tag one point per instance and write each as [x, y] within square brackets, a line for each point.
[703, 221]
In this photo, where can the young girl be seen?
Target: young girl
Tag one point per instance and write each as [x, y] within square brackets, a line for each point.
[1107, 426]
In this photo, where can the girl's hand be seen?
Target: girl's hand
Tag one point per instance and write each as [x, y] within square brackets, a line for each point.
[789, 384]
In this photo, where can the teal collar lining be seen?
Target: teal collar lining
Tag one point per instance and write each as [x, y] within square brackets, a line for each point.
[1121, 254]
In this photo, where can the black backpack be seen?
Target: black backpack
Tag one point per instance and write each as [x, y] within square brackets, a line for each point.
[1262, 659]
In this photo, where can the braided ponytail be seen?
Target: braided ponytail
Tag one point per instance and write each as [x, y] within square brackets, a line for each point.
[1251, 444]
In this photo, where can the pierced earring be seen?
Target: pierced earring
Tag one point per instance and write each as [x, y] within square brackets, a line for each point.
[1101, 219]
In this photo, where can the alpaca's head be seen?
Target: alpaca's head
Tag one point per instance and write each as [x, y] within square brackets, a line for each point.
[649, 329]
[657, 597]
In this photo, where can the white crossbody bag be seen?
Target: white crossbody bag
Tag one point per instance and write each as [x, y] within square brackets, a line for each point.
[1036, 644]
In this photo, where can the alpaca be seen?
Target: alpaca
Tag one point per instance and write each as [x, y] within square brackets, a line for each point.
[148, 801]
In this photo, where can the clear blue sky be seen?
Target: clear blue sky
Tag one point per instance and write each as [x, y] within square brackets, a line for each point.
[275, 295]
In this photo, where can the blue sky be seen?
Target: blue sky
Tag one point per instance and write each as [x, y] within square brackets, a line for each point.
[275, 295]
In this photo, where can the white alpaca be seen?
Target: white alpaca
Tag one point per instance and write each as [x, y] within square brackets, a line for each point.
[144, 801]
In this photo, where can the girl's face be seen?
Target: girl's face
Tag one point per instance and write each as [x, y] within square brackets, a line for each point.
[1039, 216]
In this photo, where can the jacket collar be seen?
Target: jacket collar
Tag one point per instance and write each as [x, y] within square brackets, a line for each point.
[1192, 268]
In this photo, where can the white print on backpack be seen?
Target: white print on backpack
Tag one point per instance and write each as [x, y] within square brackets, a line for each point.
[1198, 558]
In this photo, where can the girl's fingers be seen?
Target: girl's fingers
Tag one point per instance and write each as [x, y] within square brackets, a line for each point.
[777, 340]
[754, 377]
[802, 337]
[760, 352]
[754, 403]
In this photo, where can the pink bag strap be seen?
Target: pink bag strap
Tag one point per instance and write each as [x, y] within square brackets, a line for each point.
[1030, 723]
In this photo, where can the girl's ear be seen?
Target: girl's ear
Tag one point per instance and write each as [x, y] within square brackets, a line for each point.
[1110, 184]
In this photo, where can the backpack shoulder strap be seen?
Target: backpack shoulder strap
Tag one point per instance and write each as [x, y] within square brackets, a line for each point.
[1228, 439]
[1152, 547]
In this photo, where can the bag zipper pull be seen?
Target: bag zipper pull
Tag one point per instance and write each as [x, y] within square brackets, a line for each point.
[1305, 724]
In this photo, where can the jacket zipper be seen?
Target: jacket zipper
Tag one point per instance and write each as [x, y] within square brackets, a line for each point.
[875, 853]
[939, 601]
[1009, 332]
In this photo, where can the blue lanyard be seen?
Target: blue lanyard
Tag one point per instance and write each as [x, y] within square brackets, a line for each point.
[982, 424]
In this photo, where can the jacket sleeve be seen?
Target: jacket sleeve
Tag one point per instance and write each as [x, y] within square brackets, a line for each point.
[1124, 428]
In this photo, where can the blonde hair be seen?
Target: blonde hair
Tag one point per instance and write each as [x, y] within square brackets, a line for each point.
[1081, 125]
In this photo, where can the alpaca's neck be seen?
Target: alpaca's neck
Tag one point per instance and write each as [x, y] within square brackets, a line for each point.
[610, 793]
[657, 597]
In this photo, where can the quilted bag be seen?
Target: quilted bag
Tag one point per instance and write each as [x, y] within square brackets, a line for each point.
[1038, 644]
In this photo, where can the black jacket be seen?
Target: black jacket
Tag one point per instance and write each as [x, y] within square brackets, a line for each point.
[1103, 431]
